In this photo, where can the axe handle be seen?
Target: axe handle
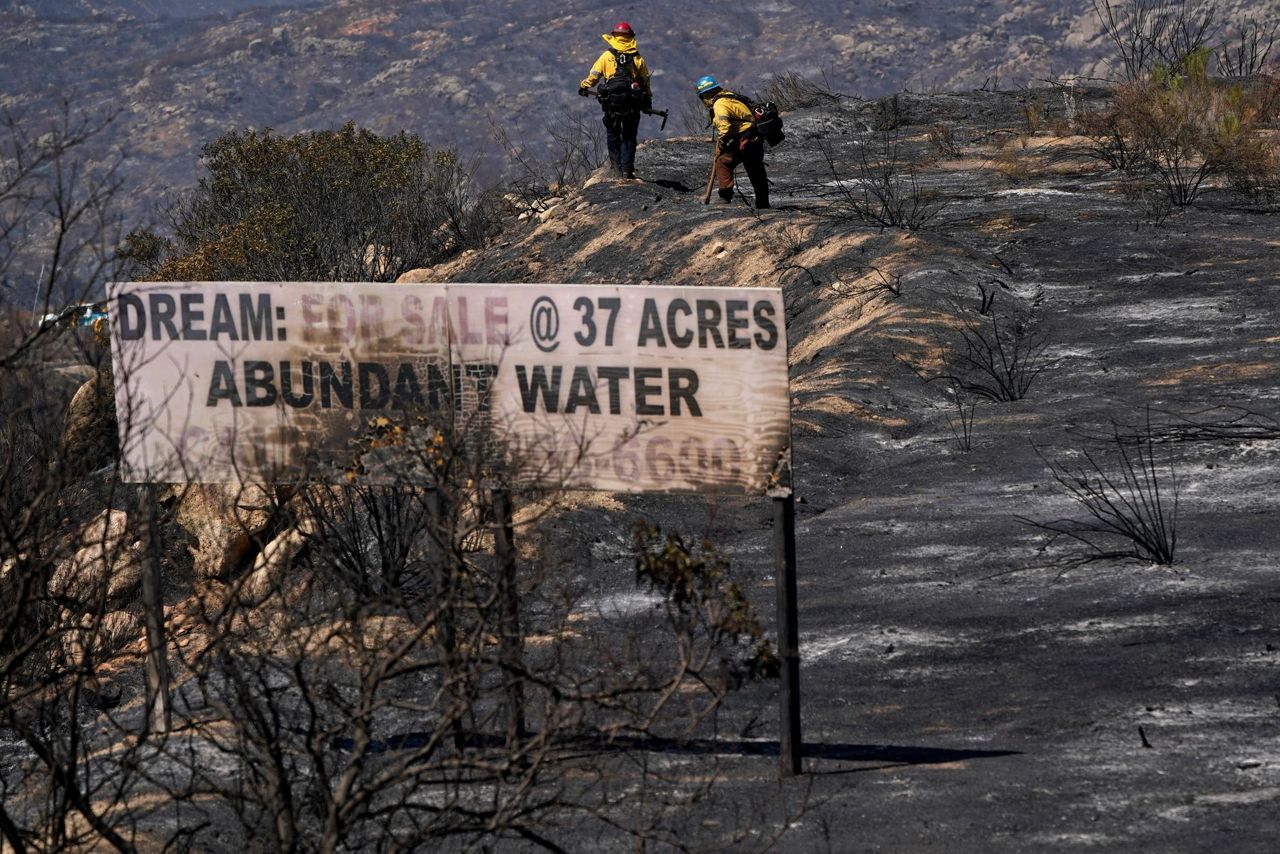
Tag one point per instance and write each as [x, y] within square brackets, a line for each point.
[662, 113]
[715, 158]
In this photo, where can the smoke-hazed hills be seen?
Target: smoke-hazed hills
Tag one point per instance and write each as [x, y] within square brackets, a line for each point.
[179, 75]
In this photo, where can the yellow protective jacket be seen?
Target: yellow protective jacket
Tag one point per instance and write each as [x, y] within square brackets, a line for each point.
[731, 117]
[606, 66]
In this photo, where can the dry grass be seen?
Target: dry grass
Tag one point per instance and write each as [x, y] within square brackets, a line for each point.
[1013, 161]
[1199, 375]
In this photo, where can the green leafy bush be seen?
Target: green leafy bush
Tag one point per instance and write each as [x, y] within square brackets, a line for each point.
[344, 205]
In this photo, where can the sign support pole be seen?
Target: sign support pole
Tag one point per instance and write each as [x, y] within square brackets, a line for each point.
[446, 636]
[784, 562]
[158, 717]
[510, 652]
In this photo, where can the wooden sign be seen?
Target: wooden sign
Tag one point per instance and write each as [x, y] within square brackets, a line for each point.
[624, 389]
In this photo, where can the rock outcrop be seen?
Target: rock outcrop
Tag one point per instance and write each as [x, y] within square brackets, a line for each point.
[89, 439]
[89, 640]
[274, 561]
[228, 524]
[106, 560]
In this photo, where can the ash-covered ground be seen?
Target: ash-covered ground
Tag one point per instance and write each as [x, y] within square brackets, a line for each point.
[969, 681]
[969, 684]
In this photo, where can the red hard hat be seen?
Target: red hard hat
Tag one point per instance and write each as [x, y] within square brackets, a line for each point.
[624, 28]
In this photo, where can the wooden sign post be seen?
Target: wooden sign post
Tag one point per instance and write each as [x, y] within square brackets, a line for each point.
[611, 388]
[157, 717]
[784, 567]
[510, 653]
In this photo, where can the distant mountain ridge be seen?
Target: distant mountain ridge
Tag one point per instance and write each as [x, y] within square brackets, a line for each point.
[142, 9]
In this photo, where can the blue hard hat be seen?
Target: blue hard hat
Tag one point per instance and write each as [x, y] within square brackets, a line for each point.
[707, 84]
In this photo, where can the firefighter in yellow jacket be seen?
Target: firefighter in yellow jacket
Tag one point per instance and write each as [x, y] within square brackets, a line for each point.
[623, 91]
[737, 140]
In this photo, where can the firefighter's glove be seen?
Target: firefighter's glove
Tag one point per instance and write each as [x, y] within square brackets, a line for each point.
[584, 91]
[743, 143]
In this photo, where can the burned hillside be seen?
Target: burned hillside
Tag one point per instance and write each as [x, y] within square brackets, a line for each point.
[1036, 445]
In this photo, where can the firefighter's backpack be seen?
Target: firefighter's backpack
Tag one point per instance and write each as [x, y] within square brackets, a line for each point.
[622, 93]
[768, 124]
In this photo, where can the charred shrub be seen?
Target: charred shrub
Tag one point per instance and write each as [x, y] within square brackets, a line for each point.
[1246, 50]
[1110, 138]
[701, 600]
[1150, 202]
[1151, 33]
[890, 113]
[1182, 128]
[573, 151]
[1128, 495]
[997, 353]
[1014, 160]
[791, 90]
[1001, 357]
[942, 138]
[384, 654]
[881, 186]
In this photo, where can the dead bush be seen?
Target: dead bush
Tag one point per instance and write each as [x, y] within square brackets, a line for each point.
[1151, 203]
[1110, 138]
[996, 355]
[1254, 171]
[791, 90]
[890, 113]
[1246, 51]
[1183, 129]
[1129, 496]
[1033, 115]
[1000, 358]
[959, 413]
[942, 138]
[1013, 161]
[389, 662]
[1151, 33]
[792, 240]
[70, 543]
[574, 149]
[874, 281]
[881, 186]
[59, 224]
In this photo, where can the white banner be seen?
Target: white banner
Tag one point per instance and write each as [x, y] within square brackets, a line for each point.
[625, 389]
